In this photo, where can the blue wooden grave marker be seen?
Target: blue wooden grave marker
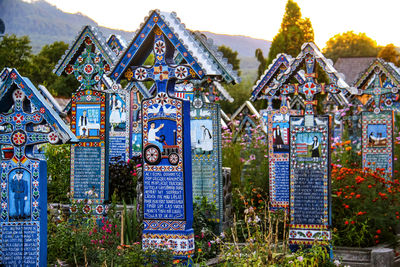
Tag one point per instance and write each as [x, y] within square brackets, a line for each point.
[378, 91]
[167, 170]
[89, 58]
[276, 123]
[310, 207]
[206, 121]
[26, 120]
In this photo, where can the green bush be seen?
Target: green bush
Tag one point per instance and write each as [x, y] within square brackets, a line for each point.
[58, 172]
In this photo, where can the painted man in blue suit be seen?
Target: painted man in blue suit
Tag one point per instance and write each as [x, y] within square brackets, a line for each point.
[20, 189]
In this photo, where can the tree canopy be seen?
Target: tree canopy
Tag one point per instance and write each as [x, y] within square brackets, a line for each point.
[231, 56]
[350, 44]
[15, 52]
[294, 32]
[389, 53]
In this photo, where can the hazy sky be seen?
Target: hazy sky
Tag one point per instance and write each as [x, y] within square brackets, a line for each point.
[255, 18]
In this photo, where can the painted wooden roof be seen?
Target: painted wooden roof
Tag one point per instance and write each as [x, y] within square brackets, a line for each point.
[77, 46]
[268, 79]
[9, 79]
[190, 47]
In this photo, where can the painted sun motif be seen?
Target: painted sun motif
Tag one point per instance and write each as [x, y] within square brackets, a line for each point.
[181, 72]
[159, 47]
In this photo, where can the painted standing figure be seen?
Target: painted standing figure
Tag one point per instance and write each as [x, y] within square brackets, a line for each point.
[83, 123]
[315, 148]
[115, 116]
[20, 189]
[278, 137]
[207, 145]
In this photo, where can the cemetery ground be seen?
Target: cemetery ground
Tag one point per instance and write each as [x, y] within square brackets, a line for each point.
[365, 213]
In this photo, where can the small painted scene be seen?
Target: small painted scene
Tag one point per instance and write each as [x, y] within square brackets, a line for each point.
[308, 146]
[280, 133]
[201, 137]
[162, 147]
[118, 113]
[88, 121]
[377, 135]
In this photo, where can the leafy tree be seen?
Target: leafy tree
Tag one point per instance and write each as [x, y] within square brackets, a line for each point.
[15, 52]
[42, 66]
[349, 44]
[263, 63]
[293, 33]
[390, 54]
[231, 56]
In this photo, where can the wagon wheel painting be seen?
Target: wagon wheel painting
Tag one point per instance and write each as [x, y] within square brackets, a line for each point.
[152, 154]
[173, 159]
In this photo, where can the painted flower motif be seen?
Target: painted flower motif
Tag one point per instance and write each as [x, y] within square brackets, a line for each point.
[18, 118]
[99, 209]
[35, 204]
[3, 165]
[96, 59]
[13, 76]
[162, 98]
[69, 69]
[35, 165]
[97, 78]
[3, 185]
[106, 68]
[18, 94]
[42, 110]
[73, 208]
[37, 117]
[140, 74]
[87, 209]
[4, 205]
[19, 138]
[88, 69]
[181, 72]
[35, 183]
[308, 234]
[79, 78]
[159, 47]
[88, 41]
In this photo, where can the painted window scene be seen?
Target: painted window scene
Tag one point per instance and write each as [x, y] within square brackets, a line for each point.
[201, 136]
[280, 132]
[161, 148]
[88, 121]
[308, 146]
[377, 135]
[118, 113]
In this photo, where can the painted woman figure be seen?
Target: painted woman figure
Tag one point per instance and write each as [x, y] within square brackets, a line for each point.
[207, 142]
[115, 116]
[278, 137]
[315, 148]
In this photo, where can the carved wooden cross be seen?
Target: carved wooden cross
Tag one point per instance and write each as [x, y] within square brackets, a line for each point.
[376, 89]
[310, 87]
[20, 129]
[163, 69]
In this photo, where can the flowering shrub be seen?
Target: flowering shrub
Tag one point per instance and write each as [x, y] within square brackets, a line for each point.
[365, 207]
[123, 180]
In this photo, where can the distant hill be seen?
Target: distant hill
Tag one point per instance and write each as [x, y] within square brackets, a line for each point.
[45, 24]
